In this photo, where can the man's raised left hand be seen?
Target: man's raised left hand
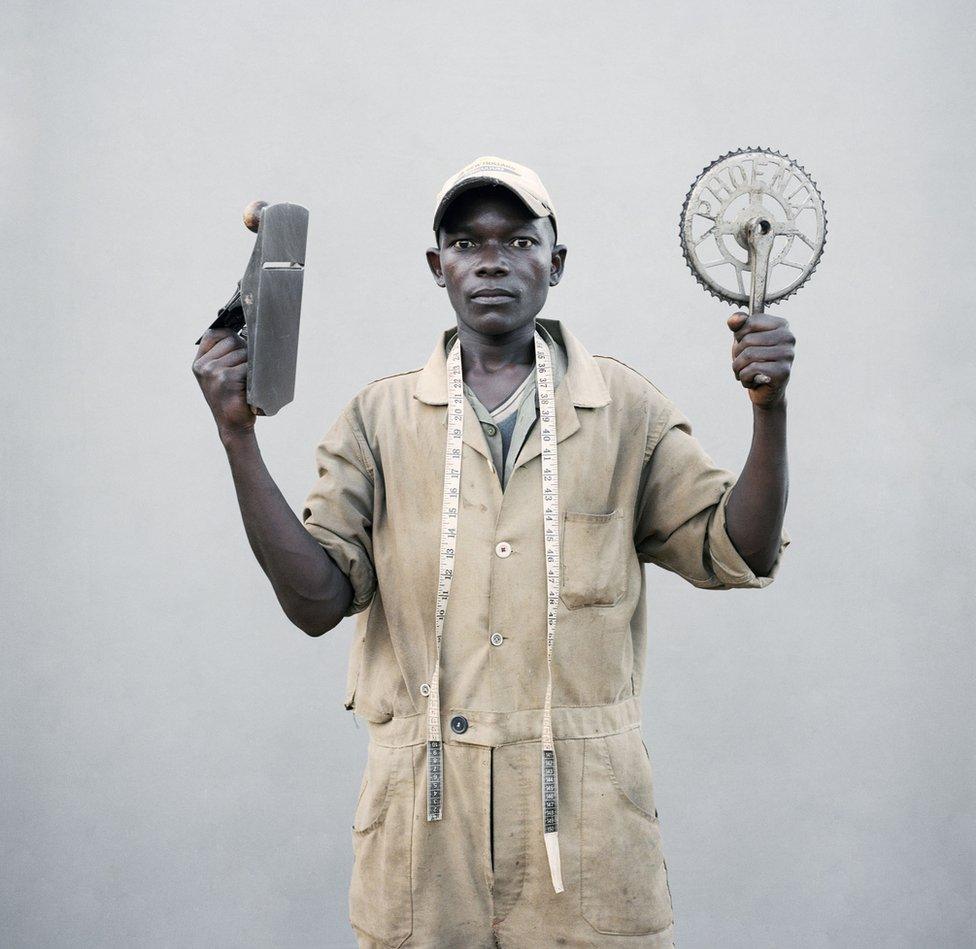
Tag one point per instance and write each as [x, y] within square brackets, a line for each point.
[762, 356]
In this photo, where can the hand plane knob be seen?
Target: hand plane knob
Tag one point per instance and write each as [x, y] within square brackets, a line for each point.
[252, 215]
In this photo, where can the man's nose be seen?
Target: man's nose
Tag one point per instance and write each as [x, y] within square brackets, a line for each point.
[491, 262]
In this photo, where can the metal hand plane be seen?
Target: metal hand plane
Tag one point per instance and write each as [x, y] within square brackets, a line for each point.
[267, 304]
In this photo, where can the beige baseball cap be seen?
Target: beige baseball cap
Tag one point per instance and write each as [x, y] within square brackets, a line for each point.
[490, 170]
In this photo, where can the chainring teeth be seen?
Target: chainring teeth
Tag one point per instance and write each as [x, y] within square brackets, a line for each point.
[713, 286]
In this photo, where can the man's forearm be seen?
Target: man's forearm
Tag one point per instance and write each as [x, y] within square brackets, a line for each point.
[757, 505]
[312, 590]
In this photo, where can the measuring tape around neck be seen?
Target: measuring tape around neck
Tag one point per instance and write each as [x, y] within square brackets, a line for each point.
[449, 540]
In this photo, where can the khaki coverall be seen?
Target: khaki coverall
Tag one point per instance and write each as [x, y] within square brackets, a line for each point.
[635, 487]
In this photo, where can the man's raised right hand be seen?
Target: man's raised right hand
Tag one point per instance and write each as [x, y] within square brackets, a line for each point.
[220, 367]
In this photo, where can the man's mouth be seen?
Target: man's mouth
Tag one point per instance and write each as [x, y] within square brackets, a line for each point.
[495, 295]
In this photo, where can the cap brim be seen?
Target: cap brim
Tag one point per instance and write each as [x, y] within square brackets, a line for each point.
[535, 207]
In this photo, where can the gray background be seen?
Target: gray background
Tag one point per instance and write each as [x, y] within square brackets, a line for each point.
[178, 769]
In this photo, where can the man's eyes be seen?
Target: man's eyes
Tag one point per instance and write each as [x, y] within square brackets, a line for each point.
[522, 243]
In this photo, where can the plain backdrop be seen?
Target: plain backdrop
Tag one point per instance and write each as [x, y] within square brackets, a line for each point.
[177, 767]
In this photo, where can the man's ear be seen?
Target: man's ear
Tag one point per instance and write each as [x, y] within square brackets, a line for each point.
[557, 265]
[434, 262]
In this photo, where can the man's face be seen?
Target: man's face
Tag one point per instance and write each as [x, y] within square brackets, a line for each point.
[496, 260]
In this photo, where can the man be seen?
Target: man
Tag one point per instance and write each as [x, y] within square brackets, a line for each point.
[494, 552]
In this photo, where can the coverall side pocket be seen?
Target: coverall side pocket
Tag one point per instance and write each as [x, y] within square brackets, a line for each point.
[624, 885]
[380, 894]
[594, 569]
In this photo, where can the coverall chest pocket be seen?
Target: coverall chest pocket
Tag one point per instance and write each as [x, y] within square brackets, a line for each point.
[594, 569]
[380, 899]
[623, 874]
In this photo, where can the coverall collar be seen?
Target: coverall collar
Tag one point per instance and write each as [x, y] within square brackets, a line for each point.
[583, 379]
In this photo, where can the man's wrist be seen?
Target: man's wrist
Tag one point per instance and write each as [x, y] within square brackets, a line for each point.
[235, 438]
[769, 421]
[766, 410]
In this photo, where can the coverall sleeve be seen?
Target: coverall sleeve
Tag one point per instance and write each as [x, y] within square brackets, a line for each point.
[338, 511]
[680, 517]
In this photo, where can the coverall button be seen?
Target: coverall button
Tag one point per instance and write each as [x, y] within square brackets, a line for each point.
[503, 549]
[425, 689]
[497, 639]
[491, 430]
[459, 724]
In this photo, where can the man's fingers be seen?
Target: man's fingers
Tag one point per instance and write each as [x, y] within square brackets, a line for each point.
[230, 344]
[753, 355]
[211, 337]
[775, 372]
[225, 350]
[214, 336]
[735, 321]
[234, 358]
[235, 374]
[218, 346]
[776, 337]
[756, 323]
